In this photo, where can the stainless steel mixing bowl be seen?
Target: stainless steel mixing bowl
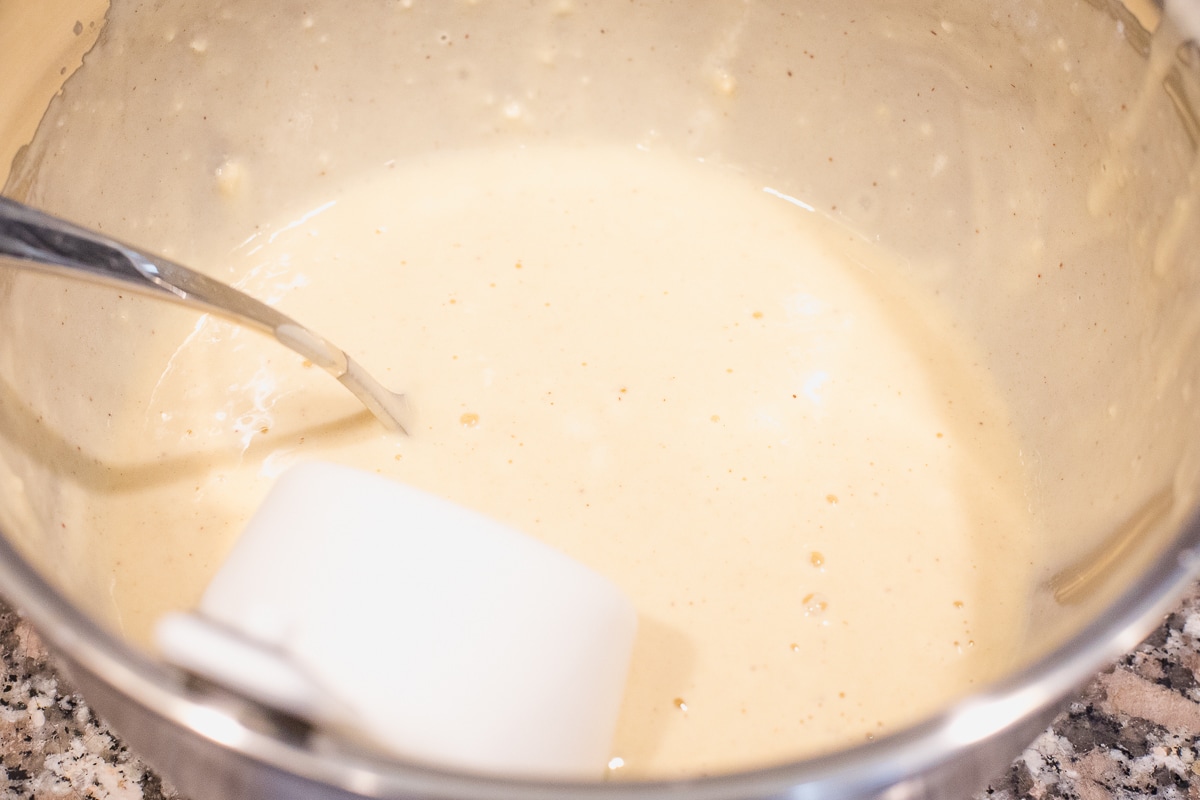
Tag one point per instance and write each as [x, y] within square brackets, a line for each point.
[1138, 554]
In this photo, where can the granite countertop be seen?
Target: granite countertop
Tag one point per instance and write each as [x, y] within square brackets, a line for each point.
[1133, 732]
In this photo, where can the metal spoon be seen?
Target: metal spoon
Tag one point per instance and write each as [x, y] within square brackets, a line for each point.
[37, 240]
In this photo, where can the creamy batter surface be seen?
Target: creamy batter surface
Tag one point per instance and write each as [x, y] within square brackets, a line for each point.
[672, 330]
[673, 375]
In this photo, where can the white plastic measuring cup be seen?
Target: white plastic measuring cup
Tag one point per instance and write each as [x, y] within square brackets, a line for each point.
[431, 631]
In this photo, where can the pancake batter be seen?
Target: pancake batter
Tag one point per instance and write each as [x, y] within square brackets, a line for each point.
[638, 336]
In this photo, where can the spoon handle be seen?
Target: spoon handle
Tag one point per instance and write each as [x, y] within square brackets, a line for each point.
[33, 239]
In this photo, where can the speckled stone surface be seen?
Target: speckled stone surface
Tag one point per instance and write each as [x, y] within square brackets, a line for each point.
[1134, 732]
[51, 745]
